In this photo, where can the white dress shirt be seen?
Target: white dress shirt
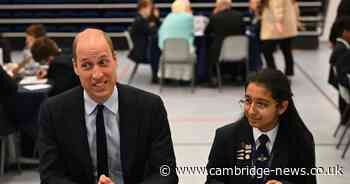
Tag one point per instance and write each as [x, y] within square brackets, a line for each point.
[111, 120]
[271, 134]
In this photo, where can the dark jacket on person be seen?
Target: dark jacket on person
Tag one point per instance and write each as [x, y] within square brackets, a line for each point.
[293, 148]
[8, 86]
[225, 23]
[338, 52]
[140, 32]
[145, 139]
[61, 75]
[343, 69]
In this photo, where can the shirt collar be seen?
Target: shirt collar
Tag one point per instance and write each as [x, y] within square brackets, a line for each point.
[347, 45]
[271, 134]
[111, 103]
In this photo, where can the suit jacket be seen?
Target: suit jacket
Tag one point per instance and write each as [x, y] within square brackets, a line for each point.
[343, 69]
[221, 25]
[140, 32]
[8, 86]
[338, 53]
[291, 150]
[145, 140]
[61, 75]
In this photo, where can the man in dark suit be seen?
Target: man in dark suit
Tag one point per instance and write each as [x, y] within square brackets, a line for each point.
[270, 136]
[224, 22]
[103, 132]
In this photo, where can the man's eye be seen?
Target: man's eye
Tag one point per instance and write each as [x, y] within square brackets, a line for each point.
[86, 66]
[103, 62]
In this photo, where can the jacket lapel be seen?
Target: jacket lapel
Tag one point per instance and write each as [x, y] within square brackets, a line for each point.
[128, 127]
[280, 148]
[78, 127]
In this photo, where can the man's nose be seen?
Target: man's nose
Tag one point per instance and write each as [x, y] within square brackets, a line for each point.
[97, 73]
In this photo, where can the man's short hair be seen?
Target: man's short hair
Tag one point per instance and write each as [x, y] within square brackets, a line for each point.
[108, 39]
[36, 30]
[43, 48]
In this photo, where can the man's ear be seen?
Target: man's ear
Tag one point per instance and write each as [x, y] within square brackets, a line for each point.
[282, 107]
[75, 67]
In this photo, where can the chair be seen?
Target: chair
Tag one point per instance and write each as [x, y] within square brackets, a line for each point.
[177, 51]
[344, 94]
[235, 50]
[131, 46]
[7, 129]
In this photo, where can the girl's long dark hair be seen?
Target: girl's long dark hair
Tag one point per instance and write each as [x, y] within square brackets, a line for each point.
[278, 84]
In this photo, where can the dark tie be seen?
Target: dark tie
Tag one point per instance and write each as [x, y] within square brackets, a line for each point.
[262, 156]
[101, 141]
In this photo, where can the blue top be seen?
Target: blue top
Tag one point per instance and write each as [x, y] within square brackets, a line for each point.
[176, 25]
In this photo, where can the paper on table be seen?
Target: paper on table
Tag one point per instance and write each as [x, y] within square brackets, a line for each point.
[32, 80]
[37, 86]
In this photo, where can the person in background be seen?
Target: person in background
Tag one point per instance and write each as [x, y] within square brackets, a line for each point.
[33, 32]
[178, 24]
[279, 25]
[336, 30]
[223, 22]
[145, 25]
[60, 73]
[339, 62]
[270, 135]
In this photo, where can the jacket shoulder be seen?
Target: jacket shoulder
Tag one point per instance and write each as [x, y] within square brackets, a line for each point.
[230, 129]
[66, 97]
[129, 91]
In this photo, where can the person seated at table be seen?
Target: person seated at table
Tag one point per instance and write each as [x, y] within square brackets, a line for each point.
[223, 22]
[60, 71]
[145, 25]
[33, 32]
[342, 46]
[271, 135]
[178, 24]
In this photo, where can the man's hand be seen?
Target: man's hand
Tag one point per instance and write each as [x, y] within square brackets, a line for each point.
[273, 182]
[104, 180]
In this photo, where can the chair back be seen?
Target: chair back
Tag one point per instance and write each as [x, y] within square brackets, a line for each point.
[234, 49]
[176, 50]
